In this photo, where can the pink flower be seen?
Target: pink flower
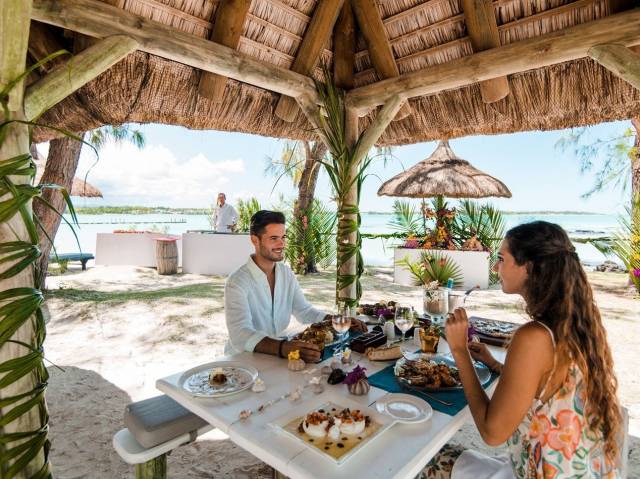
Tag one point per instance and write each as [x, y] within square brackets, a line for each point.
[566, 437]
[636, 272]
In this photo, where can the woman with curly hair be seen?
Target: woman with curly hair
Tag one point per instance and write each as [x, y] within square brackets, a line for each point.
[555, 405]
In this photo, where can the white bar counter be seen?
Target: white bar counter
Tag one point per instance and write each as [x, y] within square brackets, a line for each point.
[135, 249]
[205, 252]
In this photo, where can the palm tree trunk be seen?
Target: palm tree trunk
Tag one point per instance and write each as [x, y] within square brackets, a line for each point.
[62, 162]
[307, 188]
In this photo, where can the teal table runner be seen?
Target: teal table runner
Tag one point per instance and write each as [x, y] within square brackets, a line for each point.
[386, 380]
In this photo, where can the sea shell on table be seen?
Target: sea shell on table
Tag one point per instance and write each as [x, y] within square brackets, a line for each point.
[360, 388]
[258, 386]
[296, 364]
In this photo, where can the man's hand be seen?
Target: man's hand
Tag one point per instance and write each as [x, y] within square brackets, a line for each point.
[357, 325]
[309, 352]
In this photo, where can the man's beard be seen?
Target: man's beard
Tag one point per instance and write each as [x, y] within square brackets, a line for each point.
[270, 255]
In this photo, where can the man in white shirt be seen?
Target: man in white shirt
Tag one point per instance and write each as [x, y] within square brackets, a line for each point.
[225, 216]
[261, 295]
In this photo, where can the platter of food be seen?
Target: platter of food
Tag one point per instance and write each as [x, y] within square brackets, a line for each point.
[336, 429]
[217, 379]
[490, 331]
[434, 373]
[320, 334]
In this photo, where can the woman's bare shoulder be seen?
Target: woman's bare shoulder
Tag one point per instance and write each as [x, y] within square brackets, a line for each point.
[533, 338]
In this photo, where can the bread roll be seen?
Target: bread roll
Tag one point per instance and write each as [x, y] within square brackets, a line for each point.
[384, 353]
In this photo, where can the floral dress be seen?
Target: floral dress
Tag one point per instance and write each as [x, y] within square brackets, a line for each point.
[553, 441]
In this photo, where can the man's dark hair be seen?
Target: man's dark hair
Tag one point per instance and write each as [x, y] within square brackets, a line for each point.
[262, 218]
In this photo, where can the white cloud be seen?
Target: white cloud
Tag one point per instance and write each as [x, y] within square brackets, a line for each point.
[154, 176]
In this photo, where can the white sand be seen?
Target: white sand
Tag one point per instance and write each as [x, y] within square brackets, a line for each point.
[113, 349]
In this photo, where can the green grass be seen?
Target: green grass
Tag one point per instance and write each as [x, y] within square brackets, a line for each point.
[178, 295]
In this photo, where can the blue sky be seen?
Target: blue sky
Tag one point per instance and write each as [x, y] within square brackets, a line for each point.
[187, 168]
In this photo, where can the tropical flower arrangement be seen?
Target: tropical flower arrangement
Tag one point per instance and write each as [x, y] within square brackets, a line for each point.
[436, 225]
[468, 226]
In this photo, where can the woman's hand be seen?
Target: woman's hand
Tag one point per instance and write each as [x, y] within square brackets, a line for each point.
[456, 330]
[480, 352]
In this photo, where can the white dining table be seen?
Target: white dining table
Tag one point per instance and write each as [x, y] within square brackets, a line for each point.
[399, 452]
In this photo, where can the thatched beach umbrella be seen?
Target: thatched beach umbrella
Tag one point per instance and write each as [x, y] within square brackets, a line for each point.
[79, 187]
[444, 174]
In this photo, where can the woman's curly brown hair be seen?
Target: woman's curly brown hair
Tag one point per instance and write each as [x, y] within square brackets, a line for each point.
[559, 295]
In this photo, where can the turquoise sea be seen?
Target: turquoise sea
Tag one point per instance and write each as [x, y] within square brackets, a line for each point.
[375, 251]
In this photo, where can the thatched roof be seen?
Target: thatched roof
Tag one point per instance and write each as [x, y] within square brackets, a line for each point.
[444, 173]
[146, 88]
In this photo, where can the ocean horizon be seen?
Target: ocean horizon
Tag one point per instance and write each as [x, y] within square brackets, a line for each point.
[376, 252]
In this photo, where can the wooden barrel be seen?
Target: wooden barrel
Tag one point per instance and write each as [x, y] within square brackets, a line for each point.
[167, 255]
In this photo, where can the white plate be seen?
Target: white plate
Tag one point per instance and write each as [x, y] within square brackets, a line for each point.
[196, 380]
[405, 408]
[327, 402]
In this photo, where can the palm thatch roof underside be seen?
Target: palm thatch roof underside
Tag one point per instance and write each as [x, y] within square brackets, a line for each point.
[146, 88]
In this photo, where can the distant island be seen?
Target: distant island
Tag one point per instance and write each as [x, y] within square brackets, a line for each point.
[140, 210]
[165, 210]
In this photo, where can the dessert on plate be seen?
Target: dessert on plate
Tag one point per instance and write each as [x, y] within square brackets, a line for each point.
[217, 377]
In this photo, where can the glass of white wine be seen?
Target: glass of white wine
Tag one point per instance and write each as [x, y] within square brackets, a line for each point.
[341, 323]
[404, 319]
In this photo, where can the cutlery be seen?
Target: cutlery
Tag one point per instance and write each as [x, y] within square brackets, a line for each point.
[422, 393]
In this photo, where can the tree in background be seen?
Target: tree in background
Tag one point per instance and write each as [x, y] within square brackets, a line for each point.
[621, 154]
[61, 166]
[621, 166]
[300, 162]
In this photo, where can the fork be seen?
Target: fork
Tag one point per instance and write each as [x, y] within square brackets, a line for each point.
[428, 396]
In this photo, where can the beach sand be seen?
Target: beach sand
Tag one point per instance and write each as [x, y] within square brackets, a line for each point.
[115, 330]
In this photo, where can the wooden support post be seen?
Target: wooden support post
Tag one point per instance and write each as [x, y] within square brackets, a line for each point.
[370, 23]
[344, 48]
[227, 29]
[550, 49]
[349, 267]
[315, 38]
[154, 469]
[482, 27]
[99, 20]
[619, 60]
[14, 35]
[76, 72]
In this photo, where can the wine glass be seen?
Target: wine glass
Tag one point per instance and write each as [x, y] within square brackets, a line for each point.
[341, 322]
[404, 319]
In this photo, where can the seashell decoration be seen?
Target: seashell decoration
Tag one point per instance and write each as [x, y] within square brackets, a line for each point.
[360, 388]
[296, 363]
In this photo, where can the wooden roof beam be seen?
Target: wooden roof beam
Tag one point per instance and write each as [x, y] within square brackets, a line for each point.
[538, 52]
[315, 38]
[99, 20]
[619, 60]
[482, 27]
[344, 47]
[227, 29]
[76, 72]
[371, 26]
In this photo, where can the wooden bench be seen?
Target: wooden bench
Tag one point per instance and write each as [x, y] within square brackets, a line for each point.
[155, 427]
[82, 257]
